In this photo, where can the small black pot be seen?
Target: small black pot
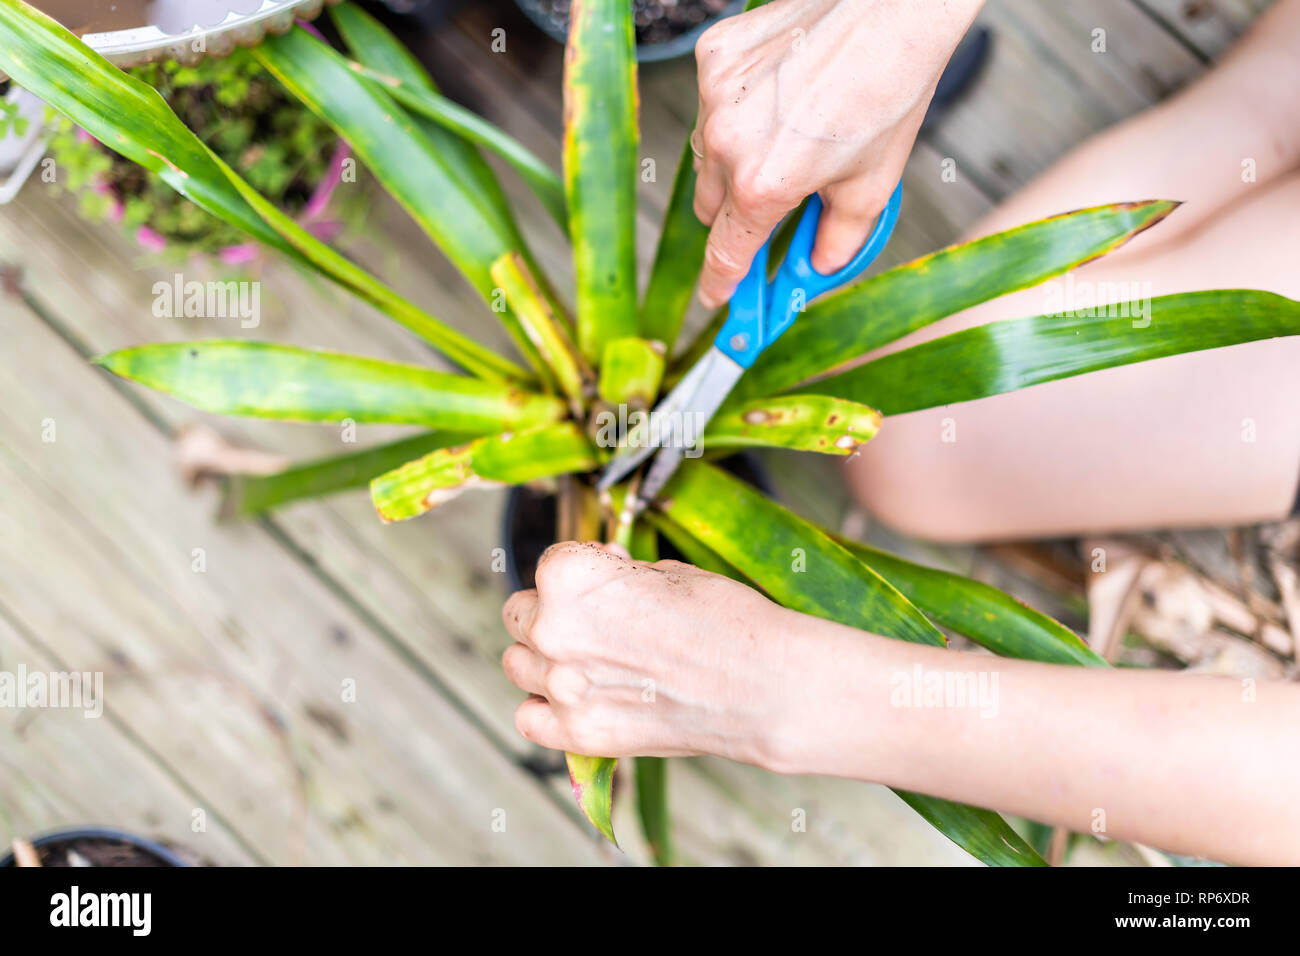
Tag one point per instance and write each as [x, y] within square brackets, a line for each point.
[679, 45]
[161, 854]
[428, 14]
[529, 524]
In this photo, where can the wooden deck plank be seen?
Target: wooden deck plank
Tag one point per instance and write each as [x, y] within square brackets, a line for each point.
[241, 666]
[1044, 89]
[729, 814]
[414, 581]
[412, 577]
[1208, 27]
[429, 581]
[60, 768]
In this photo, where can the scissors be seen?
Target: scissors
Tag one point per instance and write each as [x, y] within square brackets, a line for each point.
[760, 311]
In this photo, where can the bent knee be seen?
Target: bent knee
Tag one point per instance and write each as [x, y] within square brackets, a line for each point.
[908, 482]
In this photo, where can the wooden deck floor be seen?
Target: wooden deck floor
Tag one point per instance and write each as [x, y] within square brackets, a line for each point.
[226, 648]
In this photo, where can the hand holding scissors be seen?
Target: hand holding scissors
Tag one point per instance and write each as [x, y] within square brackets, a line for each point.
[760, 312]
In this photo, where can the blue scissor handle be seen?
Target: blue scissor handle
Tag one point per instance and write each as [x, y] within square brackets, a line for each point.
[761, 311]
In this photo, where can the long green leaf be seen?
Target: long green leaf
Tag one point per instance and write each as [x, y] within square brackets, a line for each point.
[247, 495]
[1017, 353]
[981, 833]
[508, 458]
[792, 560]
[600, 163]
[466, 352]
[423, 484]
[803, 568]
[631, 371]
[377, 50]
[678, 258]
[411, 168]
[543, 180]
[540, 453]
[680, 252]
[845, 326]
[131, 118]
[453, 131]
[262, 380]
[817, 423]
[546, 335]
[652, 772]
[652, 807]
[986, 615]
[592, 779]
[696, 553]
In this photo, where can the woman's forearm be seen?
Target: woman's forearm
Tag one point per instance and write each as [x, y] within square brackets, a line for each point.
[626, 658]
[1197, 765]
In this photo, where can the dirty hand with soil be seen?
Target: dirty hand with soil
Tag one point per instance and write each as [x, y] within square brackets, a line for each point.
[628, 658]
[592, 685]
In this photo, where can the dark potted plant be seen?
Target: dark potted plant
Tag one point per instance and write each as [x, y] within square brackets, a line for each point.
[531, 520]
[664, 28]
[91, 846]
[280, 147]
[536, 416]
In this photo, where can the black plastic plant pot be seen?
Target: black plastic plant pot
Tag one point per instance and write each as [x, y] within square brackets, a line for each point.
[100, 846]
[658, 36]
[427, 14]
[529, 525]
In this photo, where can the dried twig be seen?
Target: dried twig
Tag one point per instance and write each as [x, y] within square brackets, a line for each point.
[202, 451]
[1288, 586]
[1113, 594]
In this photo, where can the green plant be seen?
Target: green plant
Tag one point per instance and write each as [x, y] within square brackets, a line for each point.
[511, 421]
[10, 118]
[279, 147]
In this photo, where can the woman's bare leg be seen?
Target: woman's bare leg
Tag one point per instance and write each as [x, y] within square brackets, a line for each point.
[1202, 439]
[1213, 144]
[1207, 438]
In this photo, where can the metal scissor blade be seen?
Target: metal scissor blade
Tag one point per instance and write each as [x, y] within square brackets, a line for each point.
[718, 376]
[653, 432]
[679, 420]
[622, 464]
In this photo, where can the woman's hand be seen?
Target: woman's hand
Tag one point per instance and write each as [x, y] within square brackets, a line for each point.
[804, 96]
[662, 659]
[627, 658]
